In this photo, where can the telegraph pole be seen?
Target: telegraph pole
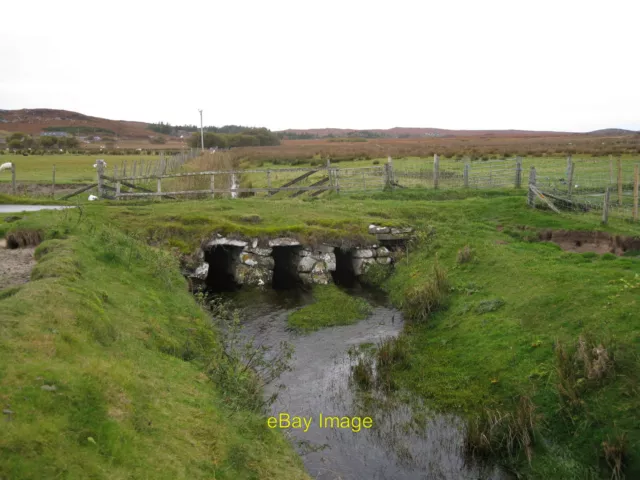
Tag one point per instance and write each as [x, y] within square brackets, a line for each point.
[201, 132]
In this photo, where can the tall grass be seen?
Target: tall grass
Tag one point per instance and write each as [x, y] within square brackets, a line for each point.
[423, 300]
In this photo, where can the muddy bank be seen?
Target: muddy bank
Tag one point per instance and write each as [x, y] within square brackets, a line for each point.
[586, 241]
[15, 265]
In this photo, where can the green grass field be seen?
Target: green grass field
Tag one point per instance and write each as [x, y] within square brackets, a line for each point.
[494, 340]
[69, 168]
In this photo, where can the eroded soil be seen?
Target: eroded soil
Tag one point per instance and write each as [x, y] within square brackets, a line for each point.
[585, 241]
[15, 265]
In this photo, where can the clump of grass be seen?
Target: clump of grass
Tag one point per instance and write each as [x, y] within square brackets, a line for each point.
[332, 307]
[362, 373]
[465, 255]
[586, 367]
[422, 300]
[487, 306]
[615, 453]
[376, 274]
[392, 353]
[24, 237]
[503, 433]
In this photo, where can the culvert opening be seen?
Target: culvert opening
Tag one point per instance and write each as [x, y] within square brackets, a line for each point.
[344, 274]
[285, 274]
[222, 260]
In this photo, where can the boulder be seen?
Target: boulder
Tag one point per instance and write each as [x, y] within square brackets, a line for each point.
[306, 264]
[325, 249]
[330, 261]
[363, 253]
[384, 260]
[305, 253]
[383, 252]
[253, 276]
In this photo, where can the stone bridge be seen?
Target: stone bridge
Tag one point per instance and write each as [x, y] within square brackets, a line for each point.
[226, 263]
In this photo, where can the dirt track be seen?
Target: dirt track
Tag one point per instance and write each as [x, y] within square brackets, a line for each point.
[15, 265]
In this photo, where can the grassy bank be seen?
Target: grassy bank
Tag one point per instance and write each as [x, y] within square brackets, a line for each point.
[105, 367]
[510, 319]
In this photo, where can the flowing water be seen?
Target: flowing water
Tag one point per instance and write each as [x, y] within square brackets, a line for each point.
[396, 447]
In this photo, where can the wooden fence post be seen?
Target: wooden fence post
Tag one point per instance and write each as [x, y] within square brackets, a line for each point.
[388, 170]
[118, 190]
[571, 169]
[14, 190]
[465, 175]
[53, 182]
[336, 177]
[620, 181]
[100, 173]
[328, 173]
[531, 197]
[569, 162]
[610, 169]
[605, 206]
[213, 185]
[635, 192]
[518, 172]
[436, 170]
[159, 187]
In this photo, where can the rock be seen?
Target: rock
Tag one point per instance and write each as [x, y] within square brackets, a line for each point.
[202, 271]
[305, 253]
[246, 275]
[283, 242]
[49, 388]
[363, 253]
[325, 249]
[383, 252]
[384, 260]
[306, 264]
[254, 244]
[263, 252]
[227, 241]
[320, 278]
[360, 265]
[248, 259]
[401, 231]
[319, 267]
[375, 229]
[265, 262]
[330, 261]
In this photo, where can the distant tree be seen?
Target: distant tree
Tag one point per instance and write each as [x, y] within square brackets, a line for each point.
[158, 140]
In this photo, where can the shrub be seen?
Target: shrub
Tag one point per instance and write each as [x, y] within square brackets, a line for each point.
[615, 453]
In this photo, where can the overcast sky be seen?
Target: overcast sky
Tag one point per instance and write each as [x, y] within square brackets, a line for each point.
[542, 65]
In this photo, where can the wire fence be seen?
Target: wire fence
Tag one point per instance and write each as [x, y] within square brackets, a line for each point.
[609, 190]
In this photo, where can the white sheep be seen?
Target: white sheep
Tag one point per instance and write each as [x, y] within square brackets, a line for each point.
[6, 166]
[92, 198]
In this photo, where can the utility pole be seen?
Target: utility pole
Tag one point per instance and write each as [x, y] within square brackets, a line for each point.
[201, 132]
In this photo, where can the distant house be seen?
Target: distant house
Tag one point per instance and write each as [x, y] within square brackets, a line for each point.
[3, 140]
[54, 134]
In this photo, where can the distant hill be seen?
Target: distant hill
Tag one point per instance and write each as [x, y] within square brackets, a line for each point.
[37, 120]
[406, 132]
[607, 132]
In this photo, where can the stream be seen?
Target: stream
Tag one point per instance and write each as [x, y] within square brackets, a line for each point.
[395, 447]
